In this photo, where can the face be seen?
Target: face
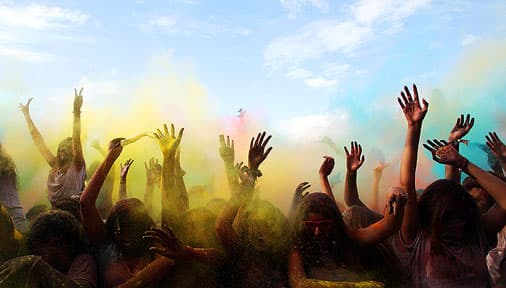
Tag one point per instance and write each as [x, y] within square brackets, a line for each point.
[480, 196]
[64, 153]
[319, 228]
[129, 239]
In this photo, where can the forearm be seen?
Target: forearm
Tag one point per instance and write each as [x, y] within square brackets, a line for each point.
[92, 223]
[169, 207]
[374, 233]
[326, 188]
[452, 172]
[495, 186]
[39, 141]
[76, 140]
[148, 197]
[122, 189]
[231, 178]
[314, 283]
[223, 224]
[151, 274]
[407, 182]
[351, 191]
[181, 189]
[204, 255]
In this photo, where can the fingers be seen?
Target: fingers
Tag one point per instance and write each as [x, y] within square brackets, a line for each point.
[221, 138]
[346, 151]
[165, 129]
[173, 131]
[425, 105]
[228, 141]
[406, 89]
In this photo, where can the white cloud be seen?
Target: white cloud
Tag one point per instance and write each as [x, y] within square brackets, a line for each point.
[21, 54]
[163, 21]
[334, 69]
[314, 127]
[370, 11]
[293, 7]
[40, 17]
[469, 39]
[320, 82]
[298, 73]
[23, 27]
[314, 40]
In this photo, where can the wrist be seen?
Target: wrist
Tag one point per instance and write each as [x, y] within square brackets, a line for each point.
[122, 181]
[461, 163]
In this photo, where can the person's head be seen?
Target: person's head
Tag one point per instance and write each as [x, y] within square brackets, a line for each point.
[57, 237]
[69, 205]
[448, 213]
[65, 152]
[35, 211]
[126, 225]
[480, 195]
[7, 165]
[319, 228]
[197, 228]
[263, 227]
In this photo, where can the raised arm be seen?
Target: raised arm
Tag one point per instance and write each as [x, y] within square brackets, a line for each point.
[377, 172]
[153, 174]
[123, 172]
[498, 148]
[354, 160]
[180, 185]
[227, 153]
[414, 114]
[297, 197]
[169, 143]
[444, 153]
[92, 223]
[298, 278]
[76, 131]
[460, 130]
[391, 222]
[36, 136]
[325, 170]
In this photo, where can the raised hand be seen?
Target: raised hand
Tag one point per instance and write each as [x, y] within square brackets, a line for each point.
[378, 170]
[444, 153]
[299, 192]
[227, 150]
[25, 108]
[168, 142]
[327, 166]
[124, 167]
[496, 146]
[78, 100]
[164, 242]
[257, 152]
[115, 147]
[354, 158]
[461, 128]
[396, 199]
[411, 107]
[153, 170]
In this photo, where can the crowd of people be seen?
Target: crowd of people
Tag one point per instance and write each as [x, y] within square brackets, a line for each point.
[448, 234]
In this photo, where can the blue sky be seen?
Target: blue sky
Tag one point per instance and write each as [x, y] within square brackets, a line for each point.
[298, 66]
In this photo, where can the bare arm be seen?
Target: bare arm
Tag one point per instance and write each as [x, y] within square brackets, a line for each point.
[460, 130]
[227, 153]
[354, 160]
[414, 114]
[325, 170]
[377, 172]
[498, 148]
[76, 131]
[168, 145]
[153, 172]
[92, 223]
[391, 222]
[36, 136]
[179, 182]
[123, 172]
[151, 274]
[298, 277]
[297, 198]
